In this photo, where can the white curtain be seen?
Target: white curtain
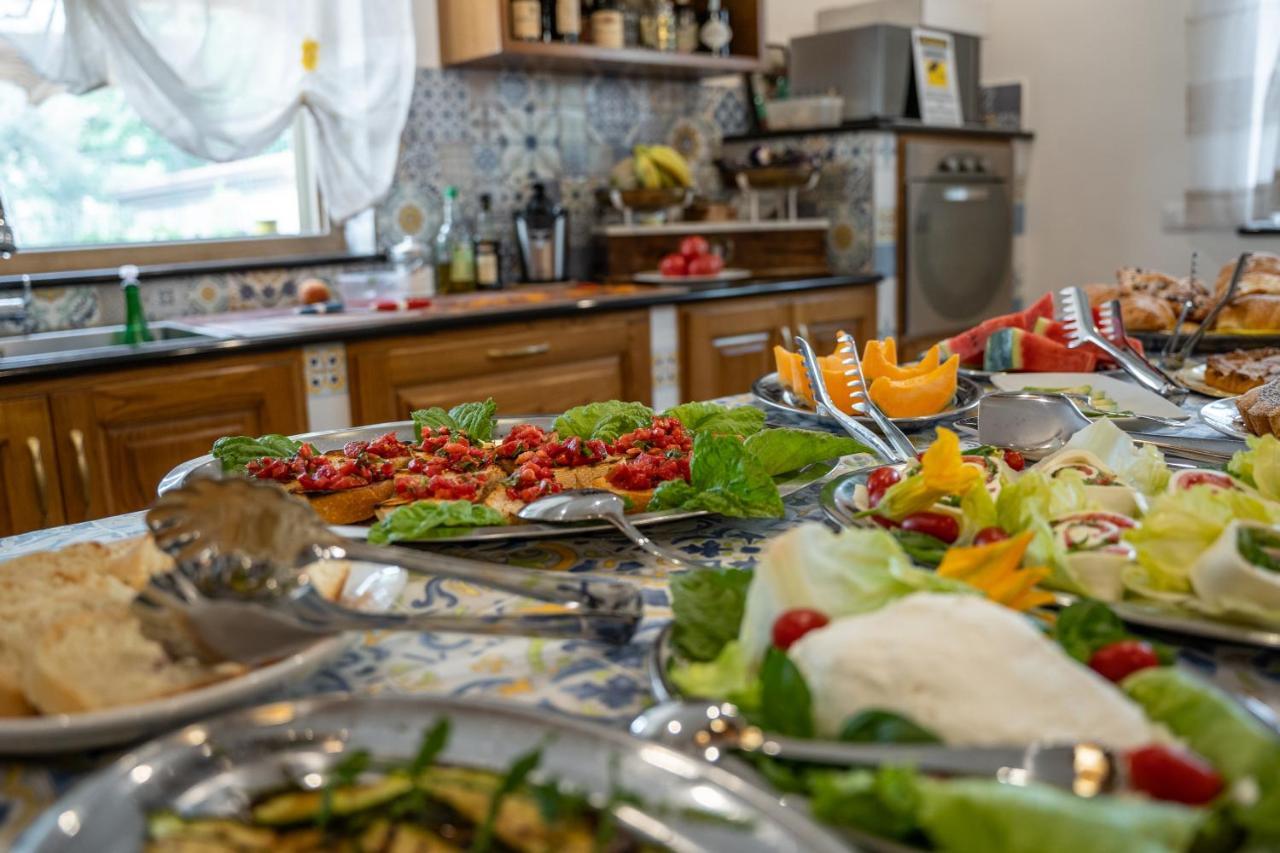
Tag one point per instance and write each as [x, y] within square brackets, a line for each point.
[222, 79]
[1233, 111]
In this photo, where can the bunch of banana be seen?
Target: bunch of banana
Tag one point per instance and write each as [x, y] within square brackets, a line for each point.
[661, 167]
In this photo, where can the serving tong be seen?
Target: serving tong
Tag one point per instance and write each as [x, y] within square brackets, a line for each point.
[240, 590]
[1193, 340]
[894, 446]
[1071, 305]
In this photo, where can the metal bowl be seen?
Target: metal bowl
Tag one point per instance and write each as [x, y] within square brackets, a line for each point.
[768, 389]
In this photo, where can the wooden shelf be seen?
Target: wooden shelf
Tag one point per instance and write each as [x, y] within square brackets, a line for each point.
[476, 34]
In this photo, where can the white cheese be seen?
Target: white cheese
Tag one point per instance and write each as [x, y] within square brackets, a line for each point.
[1225, 580]
[971, 671]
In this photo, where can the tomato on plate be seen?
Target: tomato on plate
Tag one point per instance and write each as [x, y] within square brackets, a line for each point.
[693, 247]
[1015, 460]
[878, 482]
[934, 524]
[795, 623]
[987, 535]
[1170, 774]
[706, 265]
[1117, 661]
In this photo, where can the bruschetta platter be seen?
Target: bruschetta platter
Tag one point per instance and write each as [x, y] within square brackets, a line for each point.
[464, 474]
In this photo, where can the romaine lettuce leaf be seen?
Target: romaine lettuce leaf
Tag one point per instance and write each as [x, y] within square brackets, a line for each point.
[707, 610]
[883, 802]
[474, 419]
[726, 678]
[1141, 467]
[723, 478]
[715, 418]
[237, 451]
[605, 421]
[783, 450]
[433, 520]
[977, 511]
[1029, 503]
[1259, 465]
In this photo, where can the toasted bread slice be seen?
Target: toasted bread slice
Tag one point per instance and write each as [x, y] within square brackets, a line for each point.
[583, 476]
[351, 506]
[499, 500]
[637, 501]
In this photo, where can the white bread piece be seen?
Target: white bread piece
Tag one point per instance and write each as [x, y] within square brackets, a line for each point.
[101, 659]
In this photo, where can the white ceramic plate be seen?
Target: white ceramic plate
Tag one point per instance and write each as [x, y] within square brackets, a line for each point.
[1192, 376]
[1128, 396]
[655, 277]
[369, 587]
[1223, 416]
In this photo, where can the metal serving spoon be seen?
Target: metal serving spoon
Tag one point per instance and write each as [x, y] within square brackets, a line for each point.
[711, 730]
[580, 505]
[246, 544]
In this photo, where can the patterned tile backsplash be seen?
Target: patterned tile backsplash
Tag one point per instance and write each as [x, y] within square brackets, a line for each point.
[482, 131]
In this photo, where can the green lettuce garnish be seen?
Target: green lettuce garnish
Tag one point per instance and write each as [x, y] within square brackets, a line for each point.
[1139, 466]
[783, 450]
[1086, 626]
[473, 419]
[1259, 465]
[237, 451]
[726, 678]
[715, 418]
[433, 520]
[707, 610]
[884, 802]
[723, 478]
[606, 421]
[1029, 503]
[786, 706]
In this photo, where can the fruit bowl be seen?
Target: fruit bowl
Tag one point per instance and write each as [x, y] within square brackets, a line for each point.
[648, 201]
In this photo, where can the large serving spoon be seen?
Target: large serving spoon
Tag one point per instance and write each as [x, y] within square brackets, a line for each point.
[712, 730]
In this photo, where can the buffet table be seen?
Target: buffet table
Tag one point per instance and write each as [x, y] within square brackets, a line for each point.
[575, 678]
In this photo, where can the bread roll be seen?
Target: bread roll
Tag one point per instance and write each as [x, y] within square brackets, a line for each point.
[1100, 293]
[1256, 312]
[1261, 275]
[1145, 313]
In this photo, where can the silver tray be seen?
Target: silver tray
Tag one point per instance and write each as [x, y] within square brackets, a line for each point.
[1223, 416]
[207, 466]
[216, 768]
[837, 504]
[768, 390]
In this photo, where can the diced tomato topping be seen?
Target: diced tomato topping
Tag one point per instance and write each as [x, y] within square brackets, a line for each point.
[284, 470]
[388, 447]
[647, 470]
[335, 475]
[662, 434]
[521, 439]
[574, 451]
[455, 488]
[450, 454]
[533, 479]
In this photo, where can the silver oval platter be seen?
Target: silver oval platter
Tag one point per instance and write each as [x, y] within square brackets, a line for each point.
[207, 466]
[216, 769]
[768, 390]
[1223, 416]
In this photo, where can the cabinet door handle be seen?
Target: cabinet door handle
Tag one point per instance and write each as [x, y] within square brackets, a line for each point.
[82, 465]
[519, 352]
[42, 480]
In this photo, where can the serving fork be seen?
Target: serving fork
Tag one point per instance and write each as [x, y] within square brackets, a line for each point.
[240, 589]
[1242, 263]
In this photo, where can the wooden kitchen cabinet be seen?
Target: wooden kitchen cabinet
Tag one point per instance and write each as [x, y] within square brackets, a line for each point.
[726, 344]
[539, 367]
[32, 497]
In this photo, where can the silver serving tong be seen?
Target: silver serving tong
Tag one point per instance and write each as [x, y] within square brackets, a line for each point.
[889, 451]
[240, 590]
[1071, 305]
[1242, 263]
[1167, 355]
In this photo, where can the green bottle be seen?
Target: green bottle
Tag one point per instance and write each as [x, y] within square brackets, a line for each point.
[135, 320]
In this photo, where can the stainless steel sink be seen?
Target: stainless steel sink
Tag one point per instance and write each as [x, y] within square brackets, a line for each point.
[79, 341]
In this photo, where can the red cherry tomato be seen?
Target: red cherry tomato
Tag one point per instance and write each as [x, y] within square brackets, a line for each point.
[794, 624]
[934, 524]
[1014, 460]
[987, 535]
[673, 265]
[886, 523]
[1169, 774]
[706, 265]
[1117, 661]
[878, 482]
[692, 247]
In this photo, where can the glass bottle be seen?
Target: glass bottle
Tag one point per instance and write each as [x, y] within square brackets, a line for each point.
[632, 12]
[686, 27]
[568, 20]
[135, 319]
[664, 26]
[455, 266]
[717, 34]
[488, 247]
[607, 27]
[548, 15]
[526, 20]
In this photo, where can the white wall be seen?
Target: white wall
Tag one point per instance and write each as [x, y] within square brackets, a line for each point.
[1106, 84]
[426, 33]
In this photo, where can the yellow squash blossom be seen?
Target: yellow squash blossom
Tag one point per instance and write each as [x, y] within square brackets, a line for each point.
[994, 569]
[943, 472]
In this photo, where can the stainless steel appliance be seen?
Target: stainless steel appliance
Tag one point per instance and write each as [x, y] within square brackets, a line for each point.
[542, 237]
[872, 69]
[957, 234]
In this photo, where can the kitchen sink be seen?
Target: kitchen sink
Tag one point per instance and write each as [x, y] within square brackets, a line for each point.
[100, 338]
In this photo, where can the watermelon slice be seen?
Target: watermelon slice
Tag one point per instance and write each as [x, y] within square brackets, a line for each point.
[1017, 349]
[969, 345]
[1042, 308]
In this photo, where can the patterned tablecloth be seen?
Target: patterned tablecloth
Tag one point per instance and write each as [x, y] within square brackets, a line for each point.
[575, 678]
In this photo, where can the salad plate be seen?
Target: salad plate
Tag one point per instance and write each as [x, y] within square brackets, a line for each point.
[768, 390]
[1192, 376]
[1223, 416]
[268, 772]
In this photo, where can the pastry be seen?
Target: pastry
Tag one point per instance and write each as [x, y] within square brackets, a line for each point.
[1260, 408]
[1143, 312]
[1242, 370]
[1261, 275]
[1254, 312]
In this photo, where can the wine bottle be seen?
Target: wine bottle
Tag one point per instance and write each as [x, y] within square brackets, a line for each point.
[526, 20]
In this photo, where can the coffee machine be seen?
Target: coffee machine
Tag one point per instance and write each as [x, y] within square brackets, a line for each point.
[542, 238]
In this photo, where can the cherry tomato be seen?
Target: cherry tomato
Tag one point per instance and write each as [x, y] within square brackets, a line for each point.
[987, 535]
[1206, 478]
[1014, 460]
[794, 624]
[693, 247]
[673, 265]
[886, 523]
[706, 265]
[1117, 661]
[934, 524]
[878, 482]
[1170, 774]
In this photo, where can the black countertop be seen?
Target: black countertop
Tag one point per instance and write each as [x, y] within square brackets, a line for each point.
[253, 331]
[893, 125]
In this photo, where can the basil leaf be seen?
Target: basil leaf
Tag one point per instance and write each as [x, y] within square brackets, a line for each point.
[433, 520]
[723, 478]
[1086, 626]
[473, 419]
[605, 421]
[786, 706]
[884, 802]
[707, 610]
[718, 419]
[874, 726]
[783, 450]
[237, 451]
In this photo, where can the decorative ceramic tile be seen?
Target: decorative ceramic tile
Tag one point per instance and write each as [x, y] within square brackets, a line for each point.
[263, 288]
[326, 369]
